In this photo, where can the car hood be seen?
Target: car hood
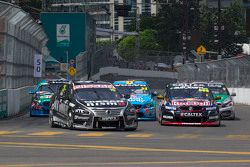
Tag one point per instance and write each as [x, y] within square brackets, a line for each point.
[190, 102]
[139, 99]
[104, 103]
[223, 97]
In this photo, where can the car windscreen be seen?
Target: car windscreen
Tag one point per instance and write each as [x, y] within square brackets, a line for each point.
[219, 90]
[45, 88]
[199, 93]
[94, 94]
[133, 89]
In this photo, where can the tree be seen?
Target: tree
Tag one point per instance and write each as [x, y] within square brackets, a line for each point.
[232, 19]
[148, 41]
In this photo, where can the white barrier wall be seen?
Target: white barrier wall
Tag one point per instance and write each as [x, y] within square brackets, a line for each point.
[242, 95]
[134, 73]
[18, 100]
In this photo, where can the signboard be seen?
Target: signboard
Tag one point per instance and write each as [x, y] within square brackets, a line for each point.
[63, 67]
[38, 60]
[62, 35]
[66, 32]
[201, 50]
[71, 71]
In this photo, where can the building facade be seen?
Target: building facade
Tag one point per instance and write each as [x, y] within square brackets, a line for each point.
[104, 10]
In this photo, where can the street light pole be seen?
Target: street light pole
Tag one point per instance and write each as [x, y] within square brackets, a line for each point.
[219, 27]
[138, 30]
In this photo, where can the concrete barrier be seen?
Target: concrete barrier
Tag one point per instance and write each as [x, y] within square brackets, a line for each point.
[242, 95]
[134, 73]
[14, 101]
[3, 104]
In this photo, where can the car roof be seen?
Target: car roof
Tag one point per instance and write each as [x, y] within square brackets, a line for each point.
[90, 82]
[218, 83]
[130, 82]
[186, 84]
[55, 81]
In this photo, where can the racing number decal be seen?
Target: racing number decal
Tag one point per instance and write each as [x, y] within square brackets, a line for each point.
[205, 90]
[38, 63]
[129, 82]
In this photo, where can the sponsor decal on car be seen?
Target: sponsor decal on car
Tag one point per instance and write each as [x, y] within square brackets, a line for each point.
[93, 86]
[190, 114]
[105, 103]
[190, 103]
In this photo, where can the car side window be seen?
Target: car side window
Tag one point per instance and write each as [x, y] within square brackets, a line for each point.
[63, 90]
[67, 93]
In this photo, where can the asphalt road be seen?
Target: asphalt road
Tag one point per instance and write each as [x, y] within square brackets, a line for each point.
[26, 141]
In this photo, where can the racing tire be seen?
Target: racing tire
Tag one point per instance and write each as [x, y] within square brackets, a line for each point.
[219, 124]
[70, 121]
[232, 117]
[51, 121]
[160, 120]
[132, 129]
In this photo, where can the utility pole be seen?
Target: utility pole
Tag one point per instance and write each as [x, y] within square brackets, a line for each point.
[219, 27]
[185, 30]
[138, 30]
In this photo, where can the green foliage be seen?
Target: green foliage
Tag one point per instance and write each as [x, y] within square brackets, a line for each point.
[125, 46]
[103, 42]
[148, 41]
[232, 19]
[169, 24]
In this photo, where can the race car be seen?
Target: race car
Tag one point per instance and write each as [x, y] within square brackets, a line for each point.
[91, 105]
[226, 104]
[42, 95]
[188, 104]
[140, 97]
[41, 99]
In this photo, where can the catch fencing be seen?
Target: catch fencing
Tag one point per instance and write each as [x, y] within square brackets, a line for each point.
[234, 72]
[107, 56]
[20, 39]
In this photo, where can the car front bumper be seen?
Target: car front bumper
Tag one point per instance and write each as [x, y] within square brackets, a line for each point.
[146, 114]
[42, 112]
[227, 112]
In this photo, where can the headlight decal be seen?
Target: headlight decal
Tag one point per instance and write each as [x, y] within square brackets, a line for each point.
[170, 108]
[82, 111]
[211, 108]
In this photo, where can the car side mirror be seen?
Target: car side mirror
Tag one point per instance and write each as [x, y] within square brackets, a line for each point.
[233, 94]
[154, 93]
[127, 96]
[217, 98]
[31, 92]
[160, 97]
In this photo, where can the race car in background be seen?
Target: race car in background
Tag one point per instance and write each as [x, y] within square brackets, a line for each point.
[42, 95]
[91, 105]
[141, 97]
[226, 104]
[188, 104]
